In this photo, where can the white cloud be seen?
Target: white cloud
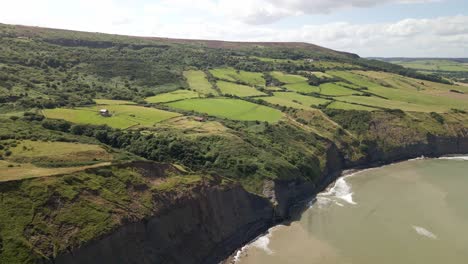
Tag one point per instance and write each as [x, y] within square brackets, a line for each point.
[267, 11]
[225, 20]
[439, 37]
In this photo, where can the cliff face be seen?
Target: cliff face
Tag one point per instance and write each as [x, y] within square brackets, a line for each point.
[199, 227]
[208, 224]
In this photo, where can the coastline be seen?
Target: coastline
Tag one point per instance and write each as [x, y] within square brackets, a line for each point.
[304, 205]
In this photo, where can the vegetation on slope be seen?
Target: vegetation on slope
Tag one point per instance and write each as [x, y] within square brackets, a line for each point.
[250, 112]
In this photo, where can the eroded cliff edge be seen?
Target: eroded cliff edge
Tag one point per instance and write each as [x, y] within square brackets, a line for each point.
[208, 223]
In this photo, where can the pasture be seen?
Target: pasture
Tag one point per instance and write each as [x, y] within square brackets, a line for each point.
[277, 100]
[405, 93]
[197, 81]
[122, 116]
[334, 89]
[238, 89]
[302, 87]
[27, 151]
[232, 75]
[288, 78]
[302, 99]
[230, 108]
[434, 65]
[40, 158]
[10, 171]
[172, 96]
[113, 102]
[348, 106]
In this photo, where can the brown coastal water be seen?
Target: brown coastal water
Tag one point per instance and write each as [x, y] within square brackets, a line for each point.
[408, 213]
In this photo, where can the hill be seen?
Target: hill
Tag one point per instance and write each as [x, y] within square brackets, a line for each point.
[452, 68]
[102, 136]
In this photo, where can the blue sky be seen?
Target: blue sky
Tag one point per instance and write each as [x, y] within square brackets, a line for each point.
[416, 28]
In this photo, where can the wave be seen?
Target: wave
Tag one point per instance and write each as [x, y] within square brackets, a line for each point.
[340, 190]
[465, 158]
[261, 242]
[424, 232]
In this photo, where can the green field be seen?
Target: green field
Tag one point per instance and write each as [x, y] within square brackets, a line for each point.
[123, 116]
[172, 96]
[40, 158]
[278, 100]
[230, 108]
[434, 65]
[112, 102]
[232, 75]
[302, 87]
[333, 89]
[288, 78]
[404, 93]
[348, 106]
[197, 81]
[237, 89]
[303, 99]
[321, 75]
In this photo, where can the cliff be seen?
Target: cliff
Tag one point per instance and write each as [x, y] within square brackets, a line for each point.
[208, 225]
[199, 227]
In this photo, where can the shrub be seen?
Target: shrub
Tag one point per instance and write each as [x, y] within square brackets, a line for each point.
[58, 125]
[437, 117]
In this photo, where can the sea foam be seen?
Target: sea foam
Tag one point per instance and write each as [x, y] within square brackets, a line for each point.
[424, 232]
[341, 190]
[455, 158]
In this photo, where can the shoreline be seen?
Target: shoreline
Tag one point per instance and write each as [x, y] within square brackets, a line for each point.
[237, 255]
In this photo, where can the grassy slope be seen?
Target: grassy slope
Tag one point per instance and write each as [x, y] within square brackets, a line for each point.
[240, 90]
[172, 96]
[290, 144]
[91, 203]
[123, 116]
[230, 74]
[434, 65]
[230, 108]
[197, 81]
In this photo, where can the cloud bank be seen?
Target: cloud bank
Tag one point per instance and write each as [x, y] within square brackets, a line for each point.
[244, 20]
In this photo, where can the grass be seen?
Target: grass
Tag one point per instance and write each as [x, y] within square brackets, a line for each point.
[232, 75]
[39, 158]
[288, 78]
[389, 104]
[276, 100]
[123, 116]
[230, 108]
[197, 81]
[302, 87]
[36, 215]
[404, 93]
[290, 99]
[172, 96]
[10, 171]
[113, 102]
[434, 65]
[238, 89]
[39, 151]
[321, 75]
[347, 106]
[333, 89]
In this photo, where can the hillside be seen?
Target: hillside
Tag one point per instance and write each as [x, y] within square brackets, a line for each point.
[451, 68]
[103, 136]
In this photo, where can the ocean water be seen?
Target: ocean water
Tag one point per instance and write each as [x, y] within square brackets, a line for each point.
[407, 213]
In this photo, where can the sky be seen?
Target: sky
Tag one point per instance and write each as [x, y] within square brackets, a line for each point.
[383, 28]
